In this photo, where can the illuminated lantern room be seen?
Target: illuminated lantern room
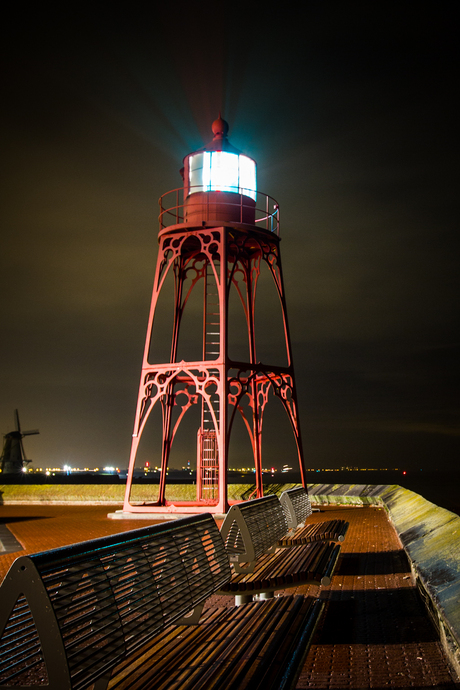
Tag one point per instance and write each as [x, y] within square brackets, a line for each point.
[219, 181]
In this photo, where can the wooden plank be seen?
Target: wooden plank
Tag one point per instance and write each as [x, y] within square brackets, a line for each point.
[285, 568]
[247, 647]
[233, 646]
[332, 530]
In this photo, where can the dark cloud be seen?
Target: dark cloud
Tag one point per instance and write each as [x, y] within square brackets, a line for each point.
[349, 112]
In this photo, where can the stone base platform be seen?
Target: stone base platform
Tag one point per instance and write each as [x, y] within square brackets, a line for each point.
[122, 515]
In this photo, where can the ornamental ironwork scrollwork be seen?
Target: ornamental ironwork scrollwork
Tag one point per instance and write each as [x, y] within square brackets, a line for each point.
[172, 248]
[164, 386]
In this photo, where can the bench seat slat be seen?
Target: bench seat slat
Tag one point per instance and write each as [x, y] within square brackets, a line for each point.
[221, 653]
[225, 651]
[332, 530]
[305, 564]
[250, 649]
[174, 641]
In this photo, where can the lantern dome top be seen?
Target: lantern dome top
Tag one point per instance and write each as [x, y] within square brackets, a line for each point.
[220, 128]
[220, 140]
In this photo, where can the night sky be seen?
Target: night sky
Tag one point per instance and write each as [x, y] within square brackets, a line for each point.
[349, 110]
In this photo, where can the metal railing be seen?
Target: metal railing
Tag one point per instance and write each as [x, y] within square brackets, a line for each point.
[173, 209]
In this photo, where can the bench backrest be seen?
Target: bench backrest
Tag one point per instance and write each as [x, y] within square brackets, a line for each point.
[94, 602]
[253, 528]
[296, 506]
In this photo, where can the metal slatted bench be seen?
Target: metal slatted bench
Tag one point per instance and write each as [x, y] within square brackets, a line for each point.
[297, 508]
[76, 616]
[251, 533]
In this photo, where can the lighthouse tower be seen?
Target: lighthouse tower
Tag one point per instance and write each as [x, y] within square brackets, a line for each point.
[216, 232]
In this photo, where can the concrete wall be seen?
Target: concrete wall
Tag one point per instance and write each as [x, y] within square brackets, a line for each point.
[431, 538]
[430, 535]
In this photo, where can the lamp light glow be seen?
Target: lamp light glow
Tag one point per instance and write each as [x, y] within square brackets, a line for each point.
[222, 171]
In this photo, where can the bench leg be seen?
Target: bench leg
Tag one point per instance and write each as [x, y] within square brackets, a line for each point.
[242, 599]
[102, 683]
[266, 595]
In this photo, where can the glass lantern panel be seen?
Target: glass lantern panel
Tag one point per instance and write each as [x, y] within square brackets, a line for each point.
[247, 177]
[222, 171]
[196, 173]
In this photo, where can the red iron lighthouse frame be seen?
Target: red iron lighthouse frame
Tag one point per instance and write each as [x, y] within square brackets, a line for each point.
[214, 234]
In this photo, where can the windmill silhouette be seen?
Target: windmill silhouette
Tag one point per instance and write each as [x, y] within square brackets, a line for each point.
[13, 456]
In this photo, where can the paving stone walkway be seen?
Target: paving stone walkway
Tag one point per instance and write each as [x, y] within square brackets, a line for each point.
[375, 633]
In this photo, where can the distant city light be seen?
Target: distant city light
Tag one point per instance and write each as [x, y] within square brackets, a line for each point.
[148, 469]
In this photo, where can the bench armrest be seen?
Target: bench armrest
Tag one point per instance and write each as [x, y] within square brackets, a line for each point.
[238, 542]
[296, 506]
[251, 529]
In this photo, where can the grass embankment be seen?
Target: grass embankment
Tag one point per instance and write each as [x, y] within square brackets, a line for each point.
[103, 493]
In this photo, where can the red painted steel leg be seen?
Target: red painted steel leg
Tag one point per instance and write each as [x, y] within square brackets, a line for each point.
[231, 257]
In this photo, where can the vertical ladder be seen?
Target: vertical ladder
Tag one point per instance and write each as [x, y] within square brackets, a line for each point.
[209, 460]
[211, 348]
